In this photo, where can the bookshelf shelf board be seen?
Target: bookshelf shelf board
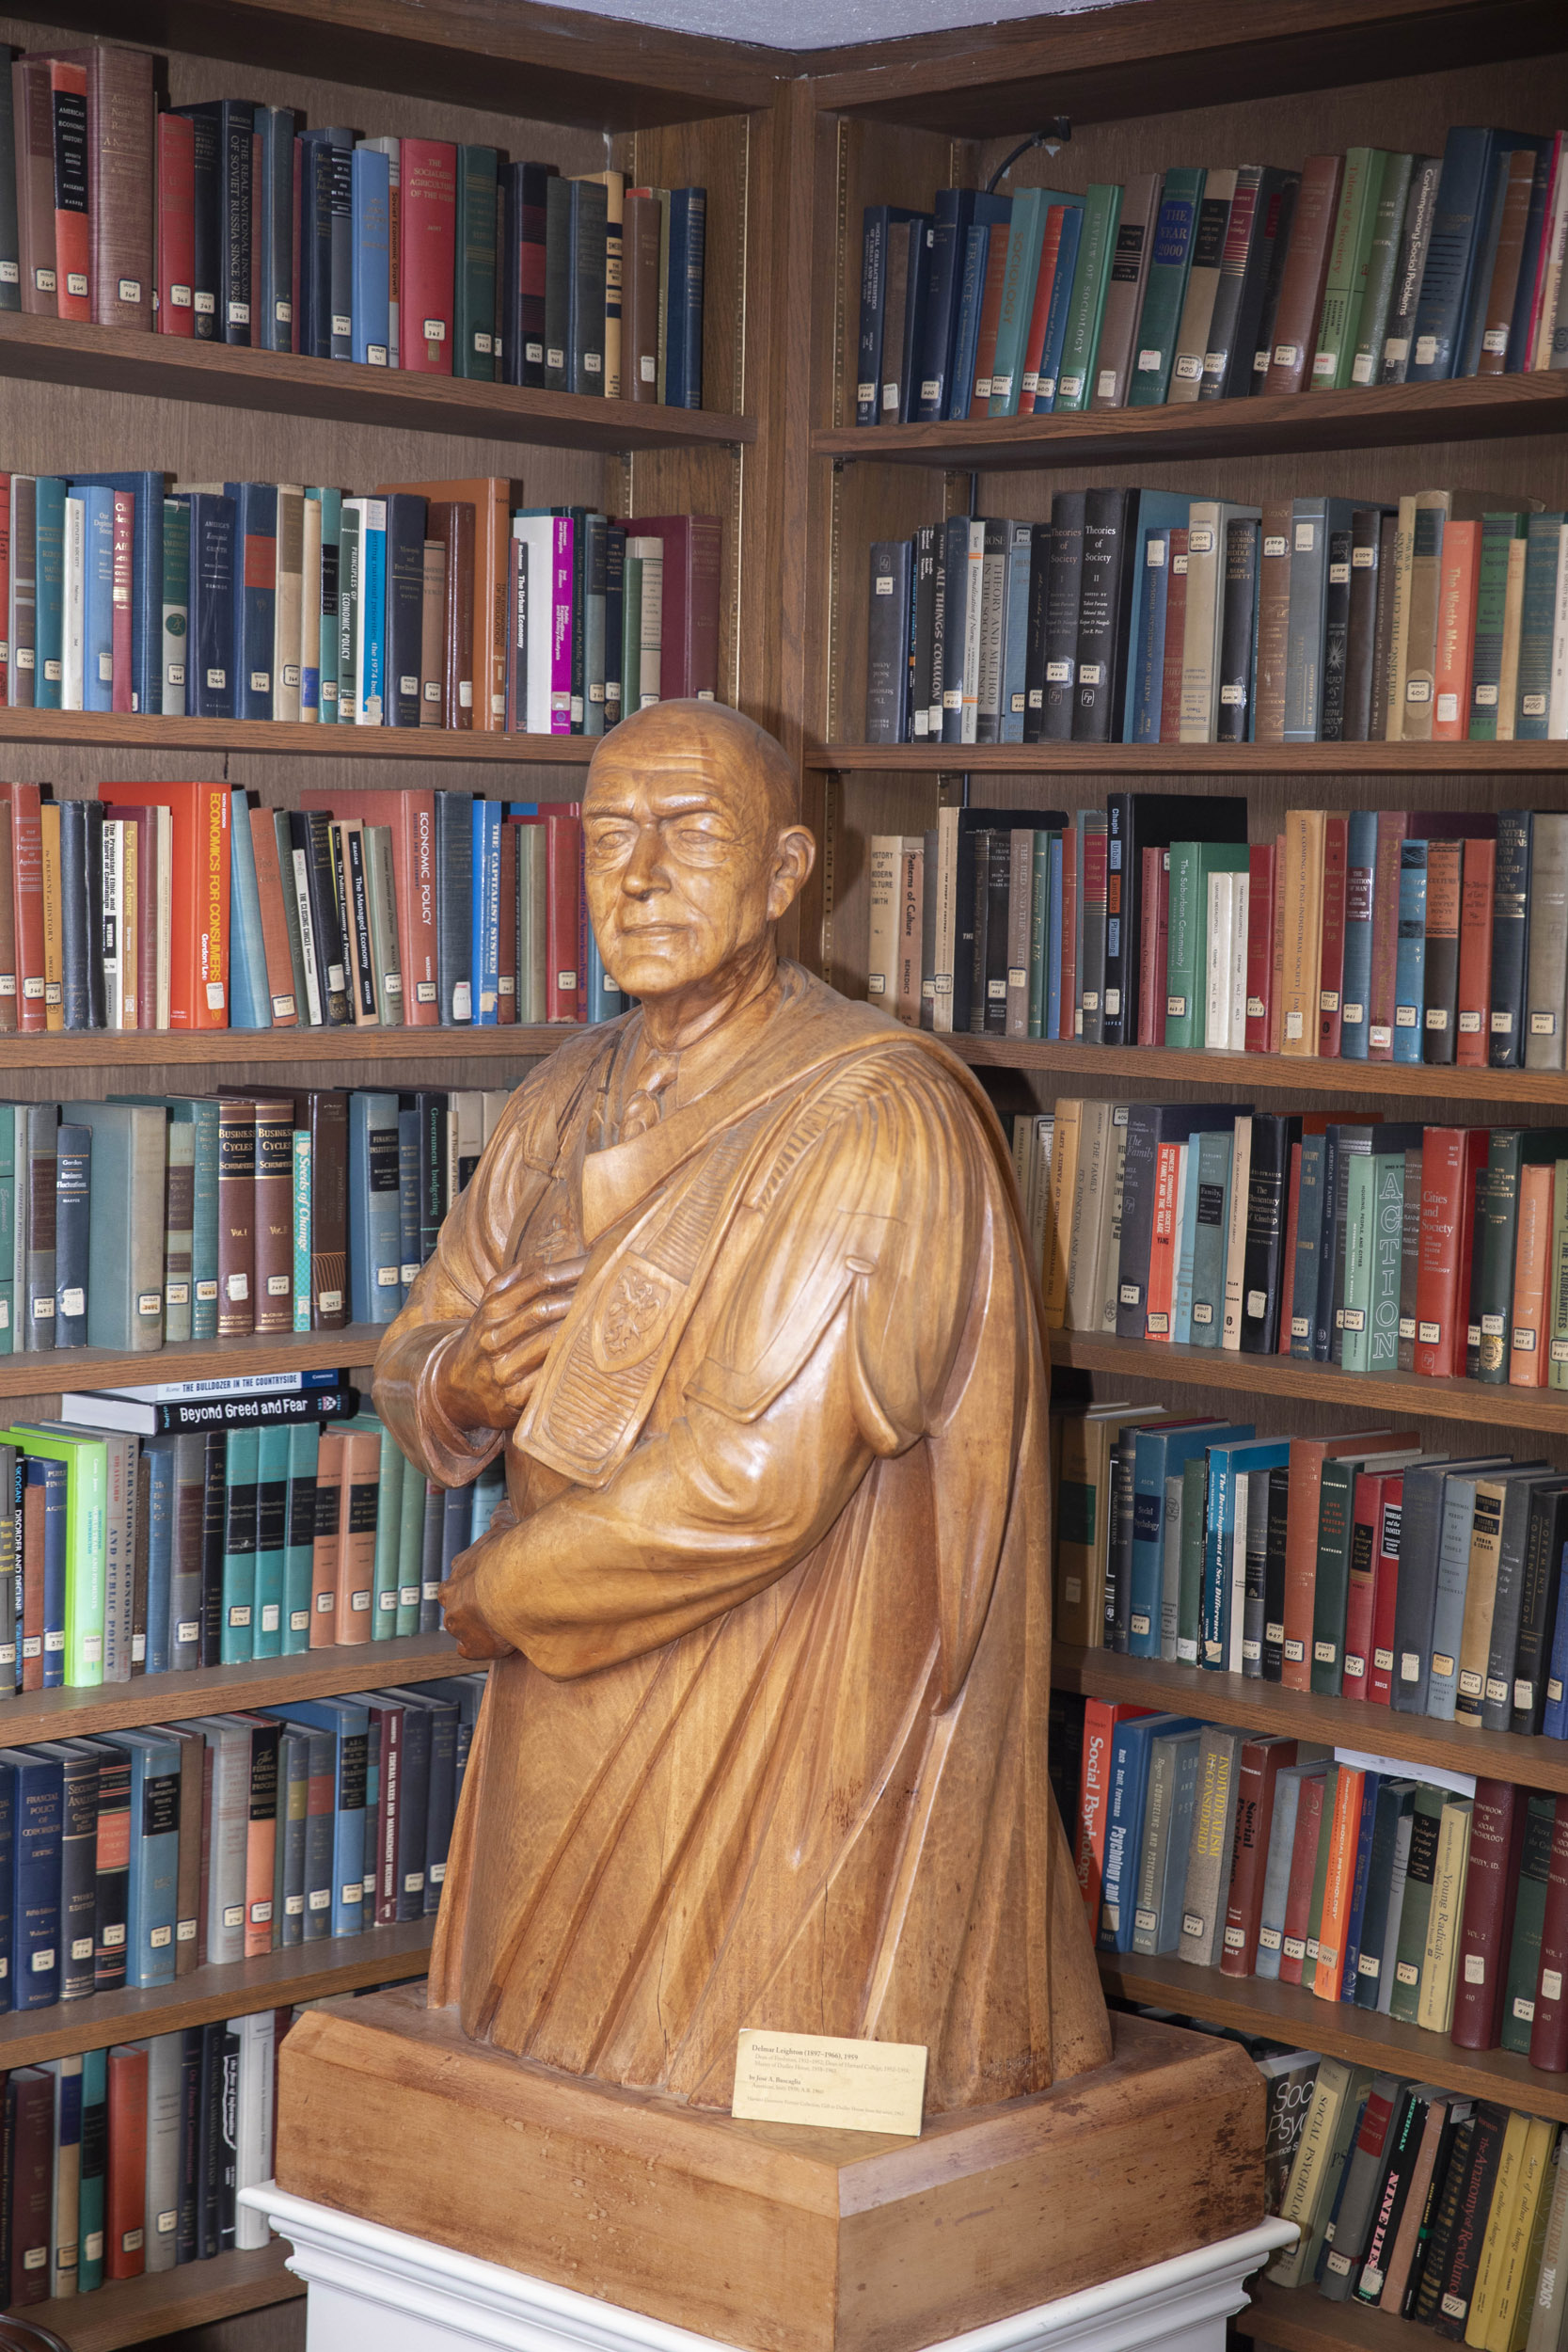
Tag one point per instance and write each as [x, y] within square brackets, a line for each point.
[1387, 415]
[1374, 1394]
[49, 1370]
[1410, 760]
[1285, 2012]
[110, 1706]
[136, 2310]
[239, 1049]
[307, 1972]
[1291, 1073]
[286, 739]
[281, 382]
[1267, 1707]
[1297, 2319]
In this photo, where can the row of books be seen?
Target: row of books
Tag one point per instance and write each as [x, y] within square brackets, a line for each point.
[1151, 617]
[148, 1219]
[131, 1551]
[229, 222]
[441, 604]
[126, 2161]
[1280, 1559]
[185, 905]
[1370, 268]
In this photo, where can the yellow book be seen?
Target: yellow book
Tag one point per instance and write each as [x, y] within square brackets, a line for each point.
[54, 904]
[1058, 1210]
[1443, 1921]
[1086, 1233]
[1303, 902]
[1499, 2224]
[1520, 2259]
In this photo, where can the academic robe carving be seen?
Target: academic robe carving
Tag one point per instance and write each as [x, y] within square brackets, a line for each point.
[763, 1743]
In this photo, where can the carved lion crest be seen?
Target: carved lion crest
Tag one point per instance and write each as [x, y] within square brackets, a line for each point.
[630, 1322]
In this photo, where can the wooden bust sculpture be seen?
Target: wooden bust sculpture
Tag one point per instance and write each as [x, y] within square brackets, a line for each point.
[740, 1286]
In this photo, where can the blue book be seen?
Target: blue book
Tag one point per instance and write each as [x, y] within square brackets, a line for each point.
[209, 688]
[484, 952]
[953, 209]
[1181, 1288]
[54, 1479]
[1410, 969]
[348, 1722]
[1016, 638]
[1357, 1909]
[239, 1548]
[146, 577]
[880, 224]
[95, 2169]
[249, 998]
[1229, 1458]
[324, 680]
[972, 295]
[72, 1227]
[441, 1795]
[604, 1000]
[370, 199]
[1161, 511]
[98, 598]
[1159, 1451]
[1360, 897]
[1395, 1800]
[1171, 260]
[273, 330]
[1554, 1721]
[1124, 1824]
[158, 1454]
[1456, 228]
[1053, 941]
[373, 612]
[272, 1524]
[1314, 522]
[37, 1795]
[304, 1443]
[1520, 344]
[683, 298]
[255, 595]
[150, 1946]
[374, 1208]
[49, 610]
[1057, 316]
[8, 1830]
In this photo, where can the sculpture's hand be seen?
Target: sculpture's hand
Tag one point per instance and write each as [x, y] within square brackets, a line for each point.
[486, 1379]
[466, 1621]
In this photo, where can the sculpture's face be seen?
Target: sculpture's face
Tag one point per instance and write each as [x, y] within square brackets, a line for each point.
[687, 866]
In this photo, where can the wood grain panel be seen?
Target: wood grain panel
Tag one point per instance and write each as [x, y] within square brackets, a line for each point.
[191, 1360]
[254, 1049]
[1347, 761]
[137, 2311]
[1141, 1067]
[1299, 2320]
[103, 731]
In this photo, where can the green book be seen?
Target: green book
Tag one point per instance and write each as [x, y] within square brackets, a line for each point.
[1170, 262]
[632, 636]
[1529, 1911]
[1349, 254]
[1187, 946]
[1090, 278]
[1557, 1364]
[474, 336]
[1040, 931]
[1384, 256]
[299, 1545]
[239, 1547]
[177, 606]
[389, 1535]
[87, 1539]
[1383, 1343]
[1419, 1874]
[1331, 1584]
[1213, 1178]
[410, 1547]
[272, 1528]
[1189, 1604]
[1319, 1872]
[1497, 535]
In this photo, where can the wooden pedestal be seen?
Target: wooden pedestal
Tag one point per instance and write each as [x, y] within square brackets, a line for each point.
[773, 2237]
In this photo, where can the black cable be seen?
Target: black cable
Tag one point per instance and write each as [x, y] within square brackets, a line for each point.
[1058, 130]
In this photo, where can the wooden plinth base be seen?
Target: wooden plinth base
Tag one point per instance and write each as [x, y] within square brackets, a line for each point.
[773, 2237]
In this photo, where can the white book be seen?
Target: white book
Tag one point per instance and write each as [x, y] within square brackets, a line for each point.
[537, 535]
[650, 554]
[114, 831]
[308, 651]
[1216, 1004]
[253, 2135]
[315, 1015]
[163, 2147]
[1235, 1236]
[1241, 920]
[1084, 1239]
[73, 595]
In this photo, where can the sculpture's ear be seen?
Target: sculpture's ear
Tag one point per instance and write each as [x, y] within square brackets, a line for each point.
[794, 856]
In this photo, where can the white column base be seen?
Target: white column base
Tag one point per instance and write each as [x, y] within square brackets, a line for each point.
[375, 2290]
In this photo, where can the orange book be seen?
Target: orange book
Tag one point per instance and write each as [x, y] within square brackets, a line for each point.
[1276, 1001]
[1456, 632]
[357, 1532]
[324, 1558]
[1532, 1277]
[1164, 1241]
[1344, 1837]
[125, 2218]
[1307, 1455]
[1475, 954]
[275, 924]
[72, 228]
[260, 1850]
[1034, 342]
[990, 318]
[198, 940]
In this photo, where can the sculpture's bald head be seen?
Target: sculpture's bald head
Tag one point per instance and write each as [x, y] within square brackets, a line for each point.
[692, 850]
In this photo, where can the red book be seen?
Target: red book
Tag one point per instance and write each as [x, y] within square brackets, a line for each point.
[1304, 1863]
[1069, 930]
[125, 2201]
[563, 992]
[428, 191]
[1548, 2035]
[1101, 1718]
[1491, 1882]
[30, 2137]
[1307, 1457]
[410, 813]
[72, 229]
[1262, 867]
[1093, 896]
[1261, 1763]
[990, 318]
[1475, 953]
[1392, 826]
[1332, 965]
[27, 886]
[688, 660]
[199, 945]
[506, 968]
[1151, 975]
[1176, 637]
[1361, 1583]
[1304, 276]
[5, 587]
[33, 1502]
[275, 921]
[1456, 632]
[1379, 1677]
[1448, 1160]
[125, 509]
[1034, 342]
[1164, 1241]
[1288, 1264]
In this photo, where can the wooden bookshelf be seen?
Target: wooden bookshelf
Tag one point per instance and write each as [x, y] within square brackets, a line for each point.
[286, 739]
[167, 2302]
[1299, 2319]
[49, 1370]
[1143, 1070]
[1220, 760]
[242, 1049]
[1267, 1707]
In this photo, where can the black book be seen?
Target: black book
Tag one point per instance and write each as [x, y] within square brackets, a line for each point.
[1435, 2250]
[993, 628]
[77, 937]
[457, 1519]
[1510, 938]
[454, 861]
[1273, 277]
[1456, 2281]
[1538, 1608]
[956, 591]
[1237, 619]
[441, 1808]
[431, 1108]
[1361, 624]
[1415, 1596]
[1393, 2190]
[1336, 636]
[887, 642]
[113, 1874]
[1270, 1174]
[413, 1807]
[72, 1232]
[971, 822]
[916, 300]
[406, 527]
[1149, 1125]
[1529, 1512]
[925, 672]
[81, 1769]
[1392, 364]
[558, 282]
[1034, 650]
[1105, 589]
[214, 1465]
[1274, 1575]
[1063, 594]
[585, 348]
[187, 2222]
[356, 909]
[222, 191]
[522, 307]
[209, 232]
[977, 899]
[998, 903]
[320, 924]
[1239, 297]
[1137, 821]
[11, 291]
[210, 2140]
[228, 2142]
[1118, 1556]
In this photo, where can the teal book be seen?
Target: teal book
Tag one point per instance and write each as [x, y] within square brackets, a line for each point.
[126, 1239]
[91, 2209]
[1497, 535]
[1537, 625]
[1159, 1453]
[272, 1537]
[300, 1536]
[152, 1879]
[374, 1207]
[1025, 238]
[49, 612]
[1087, 309]
[1383, 1345]
[249, 998]
[1360, 1229]
[1213, 1192]
[1187, 938]
[1171, 260]
[176, 605]
[389, 1540]
[474, 323]
[302, 1229]
[1230, 1455]
[331, 504]
[410, 1547]
[239, 1548]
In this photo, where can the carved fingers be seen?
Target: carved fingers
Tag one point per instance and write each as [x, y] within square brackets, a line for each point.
[487, 1378]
